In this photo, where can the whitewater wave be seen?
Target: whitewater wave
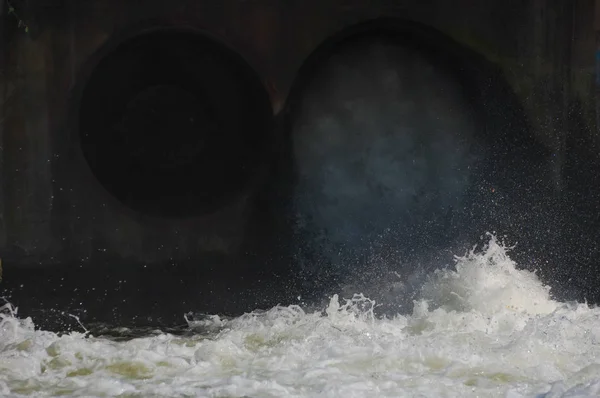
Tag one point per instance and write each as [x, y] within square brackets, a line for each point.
[484, 328]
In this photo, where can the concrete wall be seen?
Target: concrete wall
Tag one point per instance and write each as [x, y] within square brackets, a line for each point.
[53, 212]
[545, 48]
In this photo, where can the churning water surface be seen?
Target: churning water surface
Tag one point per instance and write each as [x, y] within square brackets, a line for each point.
[482, 329]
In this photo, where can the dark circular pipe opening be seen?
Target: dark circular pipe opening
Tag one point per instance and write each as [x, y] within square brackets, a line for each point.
[173, 123]
[405, 146]
[383, 140]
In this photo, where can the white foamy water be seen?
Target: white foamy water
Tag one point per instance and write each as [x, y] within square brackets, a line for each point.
[486, 329]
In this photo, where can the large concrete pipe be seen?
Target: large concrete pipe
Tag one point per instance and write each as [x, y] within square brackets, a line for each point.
[172, 123]
[220, 157]
[405, 148]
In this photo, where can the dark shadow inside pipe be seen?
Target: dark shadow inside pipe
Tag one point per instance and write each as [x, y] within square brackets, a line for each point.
[173, 123]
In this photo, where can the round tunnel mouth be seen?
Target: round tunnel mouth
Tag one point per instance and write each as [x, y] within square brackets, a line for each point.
[350, 53]
[173, 123]
[500, 150]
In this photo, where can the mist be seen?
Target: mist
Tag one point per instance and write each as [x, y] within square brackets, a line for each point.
[384, 153]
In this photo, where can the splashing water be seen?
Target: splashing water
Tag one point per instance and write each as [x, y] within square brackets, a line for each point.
[483, 329]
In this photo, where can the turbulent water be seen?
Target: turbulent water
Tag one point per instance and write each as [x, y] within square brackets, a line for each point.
[484, 328]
